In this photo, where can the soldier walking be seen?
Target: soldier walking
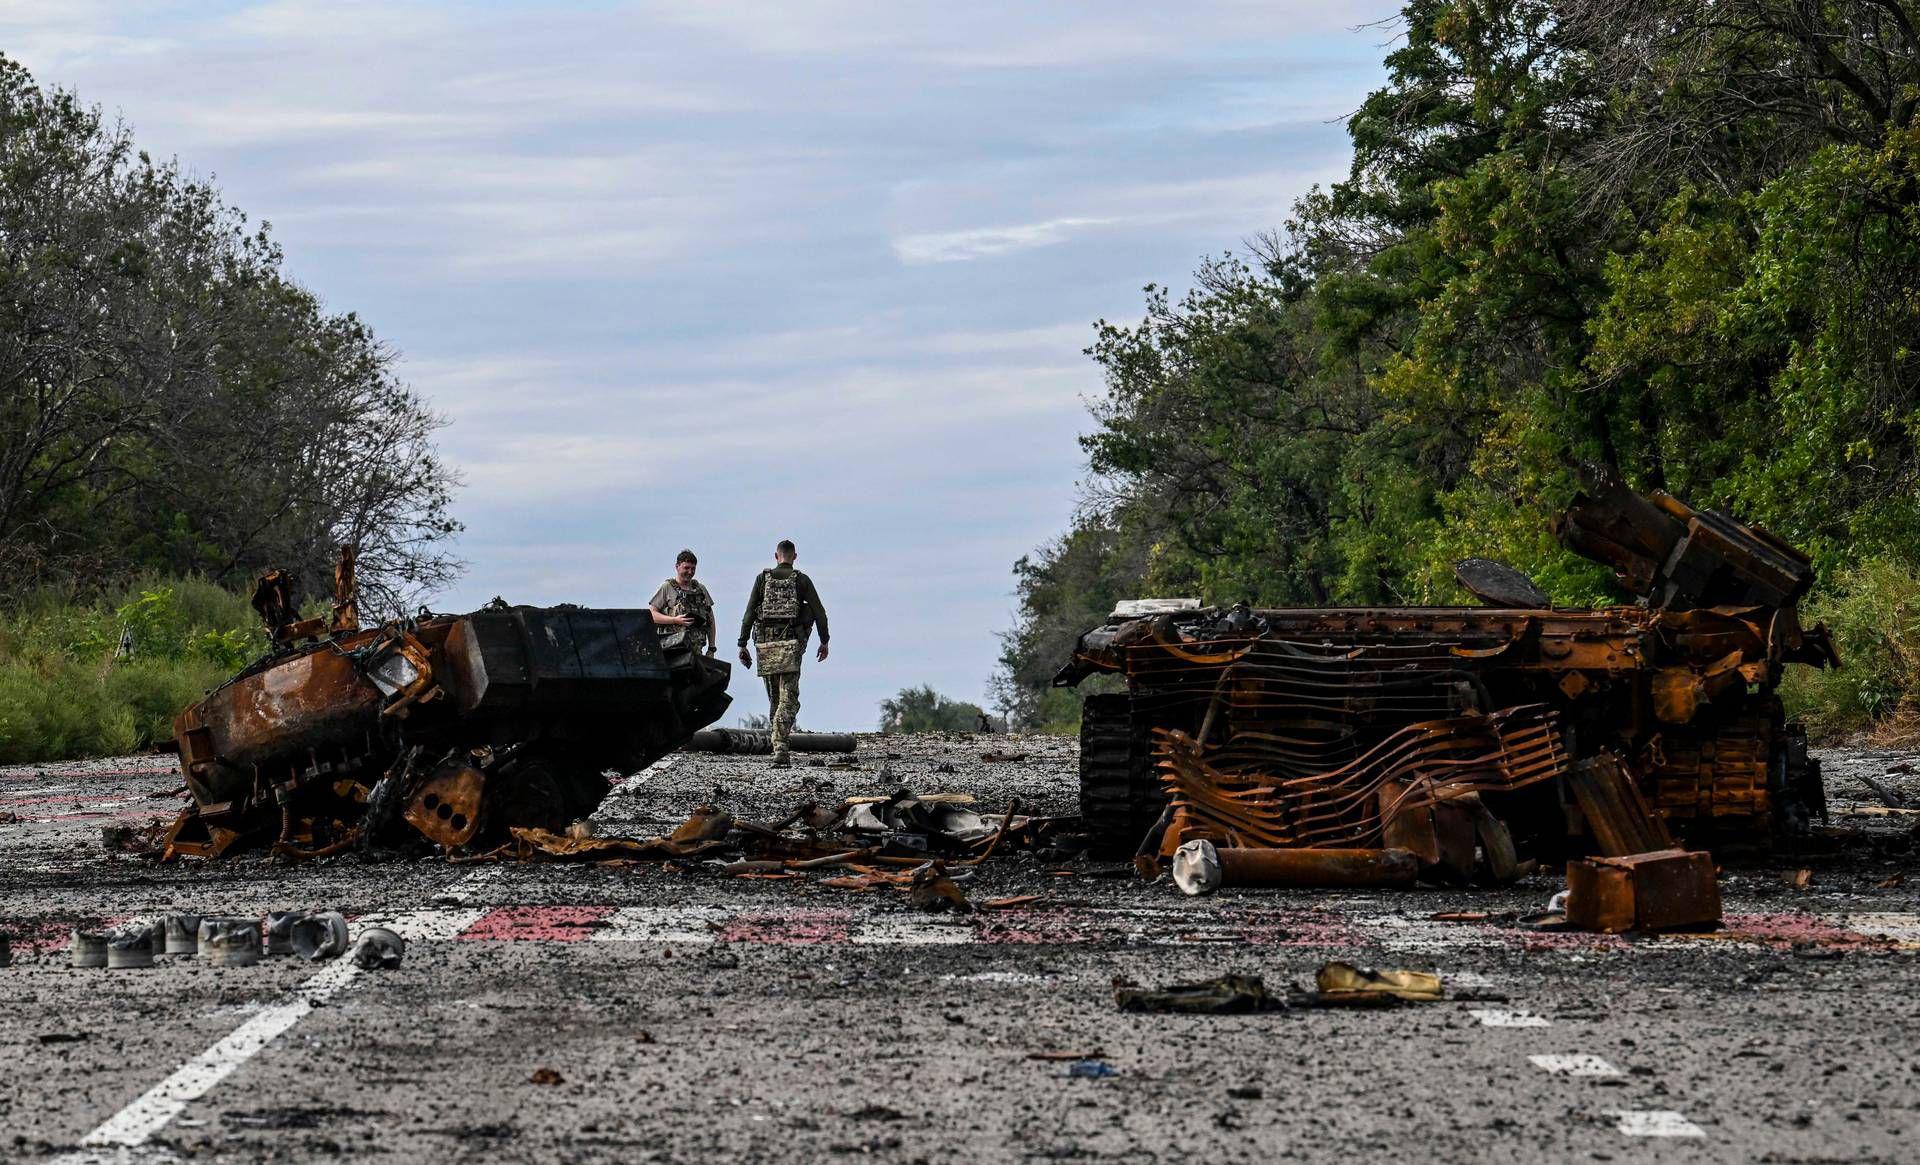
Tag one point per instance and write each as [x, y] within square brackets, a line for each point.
[781, 614]
[684, 595]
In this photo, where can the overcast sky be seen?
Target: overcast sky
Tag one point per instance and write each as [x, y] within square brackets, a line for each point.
[711, 274]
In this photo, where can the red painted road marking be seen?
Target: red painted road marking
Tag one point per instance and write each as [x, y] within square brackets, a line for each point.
[1035, 926]
[538, 923]
[1299, 928]
[1792, 926]
[788, 926]
[40, 937]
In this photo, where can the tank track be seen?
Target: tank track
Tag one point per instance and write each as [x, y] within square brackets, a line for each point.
[1119, 797]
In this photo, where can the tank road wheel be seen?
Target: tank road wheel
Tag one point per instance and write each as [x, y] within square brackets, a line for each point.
[1119, 797]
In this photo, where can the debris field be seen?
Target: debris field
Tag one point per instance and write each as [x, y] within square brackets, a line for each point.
[672, 1011]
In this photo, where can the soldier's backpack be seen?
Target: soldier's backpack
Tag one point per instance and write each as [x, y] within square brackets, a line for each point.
[779, 597]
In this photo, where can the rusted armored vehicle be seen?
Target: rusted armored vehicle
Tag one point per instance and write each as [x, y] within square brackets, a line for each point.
[452, 727]
[1522, 728]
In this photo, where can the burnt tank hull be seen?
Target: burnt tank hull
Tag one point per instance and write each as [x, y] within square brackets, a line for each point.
[512, 713]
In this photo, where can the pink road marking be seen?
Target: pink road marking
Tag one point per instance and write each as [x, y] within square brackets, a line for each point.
[1564, 940]
[39, 936]
[1792, 927]
[1035, 926]
[1299, 928]
[537, 923]
[73, 774]
[789, 926]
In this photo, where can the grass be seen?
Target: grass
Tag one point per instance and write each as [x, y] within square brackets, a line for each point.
[104, 675]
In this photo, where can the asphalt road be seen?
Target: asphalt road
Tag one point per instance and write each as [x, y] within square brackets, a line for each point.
[689, 1017]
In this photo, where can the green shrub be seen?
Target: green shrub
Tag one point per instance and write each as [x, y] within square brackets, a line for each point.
[1873, 610]
[67, 689]
[924, 710]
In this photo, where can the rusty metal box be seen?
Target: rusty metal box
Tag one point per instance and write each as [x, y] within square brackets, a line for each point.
[1663, 890]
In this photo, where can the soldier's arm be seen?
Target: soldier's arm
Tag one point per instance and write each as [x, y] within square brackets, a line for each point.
[659, 600]
[812, 596]
[713, 622]
[753, 608]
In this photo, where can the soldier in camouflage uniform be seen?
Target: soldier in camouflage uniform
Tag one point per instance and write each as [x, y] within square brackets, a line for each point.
[682, 595]
[781, 613]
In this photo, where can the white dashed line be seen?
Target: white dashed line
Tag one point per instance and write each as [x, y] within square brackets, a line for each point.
[1509, 1019]
[1574, 1064]
[1655, 1123]
[157, 1107]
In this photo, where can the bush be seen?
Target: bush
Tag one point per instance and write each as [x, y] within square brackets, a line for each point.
[68, 690]
[1873, 610]
[924, 710]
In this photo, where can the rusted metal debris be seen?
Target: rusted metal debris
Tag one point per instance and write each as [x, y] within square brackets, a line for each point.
[1483, 739]
[459, 729]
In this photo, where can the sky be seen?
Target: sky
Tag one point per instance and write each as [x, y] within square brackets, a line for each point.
[710, 275]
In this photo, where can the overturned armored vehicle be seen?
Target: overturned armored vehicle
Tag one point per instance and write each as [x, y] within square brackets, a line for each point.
[453, 727]
[1469, 735]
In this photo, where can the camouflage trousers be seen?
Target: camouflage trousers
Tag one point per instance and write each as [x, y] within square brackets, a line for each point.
[783, 706]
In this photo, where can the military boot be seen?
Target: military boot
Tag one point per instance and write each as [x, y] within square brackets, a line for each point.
[782, 759]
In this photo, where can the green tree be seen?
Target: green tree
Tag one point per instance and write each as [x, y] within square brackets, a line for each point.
[922, 709]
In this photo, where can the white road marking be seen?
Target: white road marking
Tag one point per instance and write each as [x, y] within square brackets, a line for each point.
[1423, 935]
[632, 784]
[423, 925]
[1490, 1018]
[1470, 980]
[661, 924]
[910, 932]
[1654, 1123]
[1901, 928]
[155, 1108]
[1574, 1064]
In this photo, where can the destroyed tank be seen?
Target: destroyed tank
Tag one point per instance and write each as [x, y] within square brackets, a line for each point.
[1312, 727]
[455, 728]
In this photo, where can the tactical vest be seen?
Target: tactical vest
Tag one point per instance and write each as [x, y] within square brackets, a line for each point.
[695, 604]
[780, 597]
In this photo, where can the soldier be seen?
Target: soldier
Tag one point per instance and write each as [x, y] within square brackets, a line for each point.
[781, 614]
[681, 595]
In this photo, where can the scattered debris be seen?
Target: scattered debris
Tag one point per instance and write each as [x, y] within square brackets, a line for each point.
[932, 890]
[130, 947]
[545, 1075]
[230, 942]
[1665, 890]
[1889, 796]
[89, 948]
[180, 934]
[1200, 868]
[1066, 1057]
[1091, 1070]
[1799, 879]
[1345, 985]
[6, 949]
[321, 935]
[1003, 758]
[1227, 995]
[377, 948]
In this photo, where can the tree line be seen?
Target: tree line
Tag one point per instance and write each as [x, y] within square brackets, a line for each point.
[1677, 240]
[172, 402]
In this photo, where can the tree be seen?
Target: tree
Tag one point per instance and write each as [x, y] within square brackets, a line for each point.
[924, 710]
[170, 399]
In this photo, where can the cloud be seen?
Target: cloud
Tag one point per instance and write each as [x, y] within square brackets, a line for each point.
[986, 242]
[693, 273]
